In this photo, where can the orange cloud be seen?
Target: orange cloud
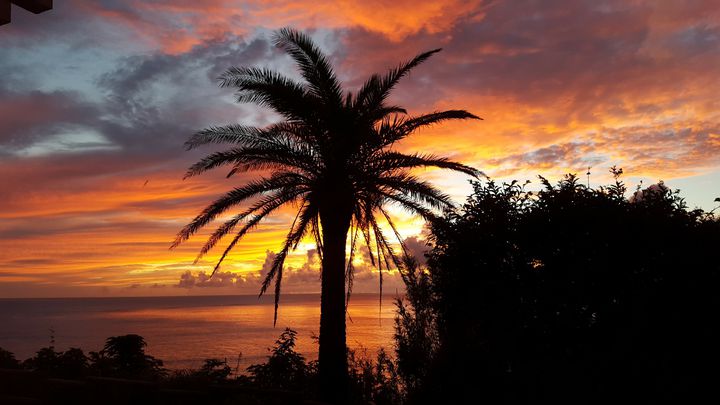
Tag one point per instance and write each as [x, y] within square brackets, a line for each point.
[561, 87]
[177, 26]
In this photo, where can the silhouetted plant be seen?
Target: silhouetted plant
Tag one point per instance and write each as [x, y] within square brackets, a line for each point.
[333, 157]
[72, 363]
[124, 356]
[285, 368]
[374, 381]
[8, 360]
[216, 370]
[569, 294]
[212, 372]
[44, 361]
[416, 337]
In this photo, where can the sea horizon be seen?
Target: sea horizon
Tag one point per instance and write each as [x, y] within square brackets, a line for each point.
[284, 295]
[185, 330]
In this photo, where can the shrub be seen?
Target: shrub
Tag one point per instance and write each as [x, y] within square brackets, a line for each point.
[569, 293]
[8, 360]
[285, 368]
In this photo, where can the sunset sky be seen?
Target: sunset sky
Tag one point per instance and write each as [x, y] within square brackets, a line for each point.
[97, 98]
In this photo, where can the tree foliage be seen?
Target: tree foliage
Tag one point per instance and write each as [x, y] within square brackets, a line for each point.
[285, 368]
[333, 158]
[8, 360]
[566, 294]
[124, 356]
[333, 152]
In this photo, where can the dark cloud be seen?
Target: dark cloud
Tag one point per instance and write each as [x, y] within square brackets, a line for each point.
[73, 222]
[145, 109]
[187, 280]
[306, 276]
[583, 57]
[417, 248]
[52, 112]
[138, 73]
[267, 264]
[673, 147]
[572, 154]
[220, 279]
[694, 40]
[639, 149]
[28, 262]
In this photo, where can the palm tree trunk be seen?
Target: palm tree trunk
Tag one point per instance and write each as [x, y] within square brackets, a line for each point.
[333, 353]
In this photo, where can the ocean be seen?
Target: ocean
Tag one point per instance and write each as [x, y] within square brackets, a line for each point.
[183, 331]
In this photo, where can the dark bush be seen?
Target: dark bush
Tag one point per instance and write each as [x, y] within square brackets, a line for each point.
[285, 368]
[8, 360]
[124, 357]
[568, 294]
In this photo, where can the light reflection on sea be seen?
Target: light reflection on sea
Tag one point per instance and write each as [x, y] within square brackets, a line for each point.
[183, 331]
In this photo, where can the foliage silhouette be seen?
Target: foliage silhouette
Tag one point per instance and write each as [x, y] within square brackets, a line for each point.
[286, 377]
[332, 156]
[416, 337]
[45, 361]
[285, 368]
[8, 360]
[215, 370]
[70, 364]
[374, 381]
[570, 294]
[124, 356]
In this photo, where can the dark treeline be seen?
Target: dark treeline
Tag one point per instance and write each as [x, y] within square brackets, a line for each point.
[121, 357]
[569, 294]
[286, 377]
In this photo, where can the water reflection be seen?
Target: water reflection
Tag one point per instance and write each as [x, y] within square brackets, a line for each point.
[184, 331]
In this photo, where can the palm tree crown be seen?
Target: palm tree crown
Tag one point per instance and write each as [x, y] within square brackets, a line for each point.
[332, 156]
[332, 151]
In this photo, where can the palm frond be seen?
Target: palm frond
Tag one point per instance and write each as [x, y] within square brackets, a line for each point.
[279, 155]
[233, 134]
[388, 161]
[416, 189]
[297, 232]
[272, 155]
[391, 223]
[350, 269]
[410, 205]
[264, 205]
[327, 140]
[268, 88]
[393, 130]
[234, 197]
[376, 89]
[314, 65]
[252, 223]
[384, 250]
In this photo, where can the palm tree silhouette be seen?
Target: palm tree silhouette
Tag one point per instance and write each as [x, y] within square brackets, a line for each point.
[331, 155]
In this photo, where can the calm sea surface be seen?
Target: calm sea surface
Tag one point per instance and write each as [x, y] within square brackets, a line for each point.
[183, 331]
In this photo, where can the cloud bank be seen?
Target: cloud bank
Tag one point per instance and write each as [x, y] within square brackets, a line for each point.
[97, 98]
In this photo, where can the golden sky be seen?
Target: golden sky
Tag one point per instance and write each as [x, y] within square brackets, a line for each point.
[97, 98]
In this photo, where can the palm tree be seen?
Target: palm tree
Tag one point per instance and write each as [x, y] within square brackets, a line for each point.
[332, 156]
